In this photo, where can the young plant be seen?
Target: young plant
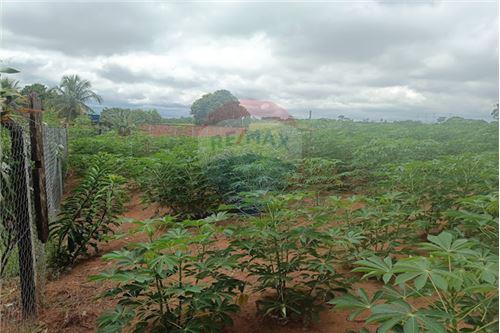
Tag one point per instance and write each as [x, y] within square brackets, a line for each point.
[88, 215]
[455, 287]
[181, 184]
[288, 262]
[477, 216]
[318, 175]
[232, 174]
[174, 282]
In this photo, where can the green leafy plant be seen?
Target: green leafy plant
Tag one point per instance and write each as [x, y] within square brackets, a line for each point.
[477, 216]
[181, 184]
[288, 261]
[89, 213]
[233, 174]
[73, 94]
[436, 185]
[454, 289]
[126, 120]
[318, 175]
[177, 281]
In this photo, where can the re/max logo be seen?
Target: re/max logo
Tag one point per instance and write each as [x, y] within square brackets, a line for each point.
[257, 137]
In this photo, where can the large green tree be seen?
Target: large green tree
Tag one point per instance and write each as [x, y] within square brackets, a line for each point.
[230, 113]
[208, 103]
[73, 95]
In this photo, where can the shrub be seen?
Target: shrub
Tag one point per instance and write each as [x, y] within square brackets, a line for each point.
[457, 285]
[438, 184]
[181, 184]
[477, 217]
[89, 213]
[247, 172]
[174, 282]
[318, 174]
[289, 261]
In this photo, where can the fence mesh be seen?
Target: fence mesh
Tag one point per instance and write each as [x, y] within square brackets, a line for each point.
[22, 255]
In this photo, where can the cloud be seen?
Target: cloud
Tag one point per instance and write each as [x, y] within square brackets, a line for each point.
[82, 28]
[357, 59]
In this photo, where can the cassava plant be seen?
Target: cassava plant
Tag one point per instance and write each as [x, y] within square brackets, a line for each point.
[181, 184]
[387, 222]
[452, 289]
[233, 174]
[288, 261]
[477, 216]
[89, 214]
[318, 175]
[176, 281]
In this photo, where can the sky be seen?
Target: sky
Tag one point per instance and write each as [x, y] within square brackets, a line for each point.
[361, 59]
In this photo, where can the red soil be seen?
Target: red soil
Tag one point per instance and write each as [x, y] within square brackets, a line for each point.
[191, 130]
[71, 303]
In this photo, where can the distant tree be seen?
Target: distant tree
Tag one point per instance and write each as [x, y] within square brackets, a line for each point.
[126, 120]
[46, 95]
[123, 120]
[152, 117]
[441, 119]
[41, 89]
[341, 117]
[228, 113]
[494, 113]
[208, 103]
[72, 95]
[181, 120]
[455, 118]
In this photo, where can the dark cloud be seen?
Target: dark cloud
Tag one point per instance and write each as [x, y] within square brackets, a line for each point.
[404, 60]
[82, 29]
[119, 73]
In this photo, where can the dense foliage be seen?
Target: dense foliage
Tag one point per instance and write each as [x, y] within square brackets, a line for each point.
[457, 282]
[209, 103]
[182, 185]
[410, 204]
[233, 174]
[289, 260]
[89, 214]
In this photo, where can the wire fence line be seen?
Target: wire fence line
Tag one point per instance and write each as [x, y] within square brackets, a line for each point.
[22, 254]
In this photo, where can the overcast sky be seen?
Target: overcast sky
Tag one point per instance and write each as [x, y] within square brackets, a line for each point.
[360, 59]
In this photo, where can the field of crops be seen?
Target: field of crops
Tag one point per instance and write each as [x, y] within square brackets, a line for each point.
[383, 225]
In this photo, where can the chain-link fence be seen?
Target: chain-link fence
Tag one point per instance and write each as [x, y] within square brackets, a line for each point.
[22, 254]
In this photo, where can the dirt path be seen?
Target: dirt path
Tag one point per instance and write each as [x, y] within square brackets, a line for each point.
[71, 303]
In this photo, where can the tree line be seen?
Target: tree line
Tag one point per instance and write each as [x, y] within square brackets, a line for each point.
[72, 98]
